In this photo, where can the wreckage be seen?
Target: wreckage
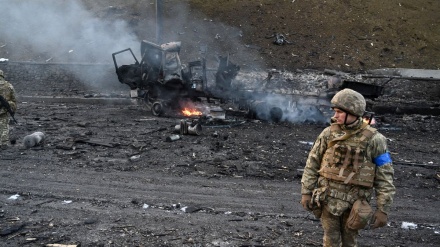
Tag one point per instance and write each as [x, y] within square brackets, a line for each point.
[162, 81]
[165, 83]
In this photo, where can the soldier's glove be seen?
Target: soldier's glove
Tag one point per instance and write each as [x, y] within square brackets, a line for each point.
[379, 219]
[305, 201]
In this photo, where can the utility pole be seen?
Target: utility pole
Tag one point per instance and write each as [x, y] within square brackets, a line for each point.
[159, 21]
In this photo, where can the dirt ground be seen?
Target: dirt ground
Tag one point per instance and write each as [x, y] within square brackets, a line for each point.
[107, 176]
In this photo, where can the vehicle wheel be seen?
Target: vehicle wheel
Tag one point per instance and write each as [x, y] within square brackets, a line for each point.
[157, 108]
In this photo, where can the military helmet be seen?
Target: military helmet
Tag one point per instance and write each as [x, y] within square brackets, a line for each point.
[349, 101]
[1, 73]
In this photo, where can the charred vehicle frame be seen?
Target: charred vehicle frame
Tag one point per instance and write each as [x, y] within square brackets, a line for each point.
[164, 82]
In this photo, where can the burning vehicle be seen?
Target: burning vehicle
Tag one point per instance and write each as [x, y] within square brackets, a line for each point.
[165, 83]
[161, 80]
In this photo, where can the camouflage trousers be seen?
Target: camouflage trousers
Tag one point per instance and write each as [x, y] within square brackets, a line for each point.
[336, 234]
[4, 129]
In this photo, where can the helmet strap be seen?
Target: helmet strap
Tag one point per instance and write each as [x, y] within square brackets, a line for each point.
[345, 120]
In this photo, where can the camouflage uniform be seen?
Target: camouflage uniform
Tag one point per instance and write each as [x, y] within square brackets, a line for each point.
[8, 92]
[335, 196]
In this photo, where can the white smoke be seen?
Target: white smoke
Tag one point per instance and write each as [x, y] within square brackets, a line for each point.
[300, 96]
[60, 31]
[68, 31]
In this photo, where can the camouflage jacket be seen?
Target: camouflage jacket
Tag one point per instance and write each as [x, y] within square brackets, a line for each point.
[8, 92]
[339, 196]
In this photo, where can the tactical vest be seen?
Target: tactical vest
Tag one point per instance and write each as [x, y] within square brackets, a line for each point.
[345, 158]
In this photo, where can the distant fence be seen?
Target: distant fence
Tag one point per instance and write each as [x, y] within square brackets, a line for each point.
[61, 78]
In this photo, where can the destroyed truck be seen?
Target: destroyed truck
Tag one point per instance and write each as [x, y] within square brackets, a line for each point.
[164, 82]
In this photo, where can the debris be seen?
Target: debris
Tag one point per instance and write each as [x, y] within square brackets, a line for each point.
[3, 60]
[409, 225]
[190, 209]
[172, 138]
[67, 201]
[13, 219]
[14, 197]
[135, 157]
[217, 113]
[185, 128]
[34, 139]
[280, 39]
[307, 143]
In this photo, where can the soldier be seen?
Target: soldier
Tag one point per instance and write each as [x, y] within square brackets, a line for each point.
[349, 160]
[7, 92]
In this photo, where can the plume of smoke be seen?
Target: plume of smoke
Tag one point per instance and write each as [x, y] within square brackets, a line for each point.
[62, 30]
[66, 31]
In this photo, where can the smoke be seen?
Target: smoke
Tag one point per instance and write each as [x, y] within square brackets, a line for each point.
[90, 31]
[74, 31]
[60, 31]
[285, 96]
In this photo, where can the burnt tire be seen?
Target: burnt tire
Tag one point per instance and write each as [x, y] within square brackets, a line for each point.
[157, 109]
[276, 114]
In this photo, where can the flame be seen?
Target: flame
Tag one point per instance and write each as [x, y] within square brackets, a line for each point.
[191, 112]
[367, 119]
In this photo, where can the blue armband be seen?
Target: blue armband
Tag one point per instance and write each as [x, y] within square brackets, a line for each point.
[382, 159]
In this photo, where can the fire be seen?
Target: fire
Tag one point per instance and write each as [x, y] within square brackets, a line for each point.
[367, 119]
[191, 112]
